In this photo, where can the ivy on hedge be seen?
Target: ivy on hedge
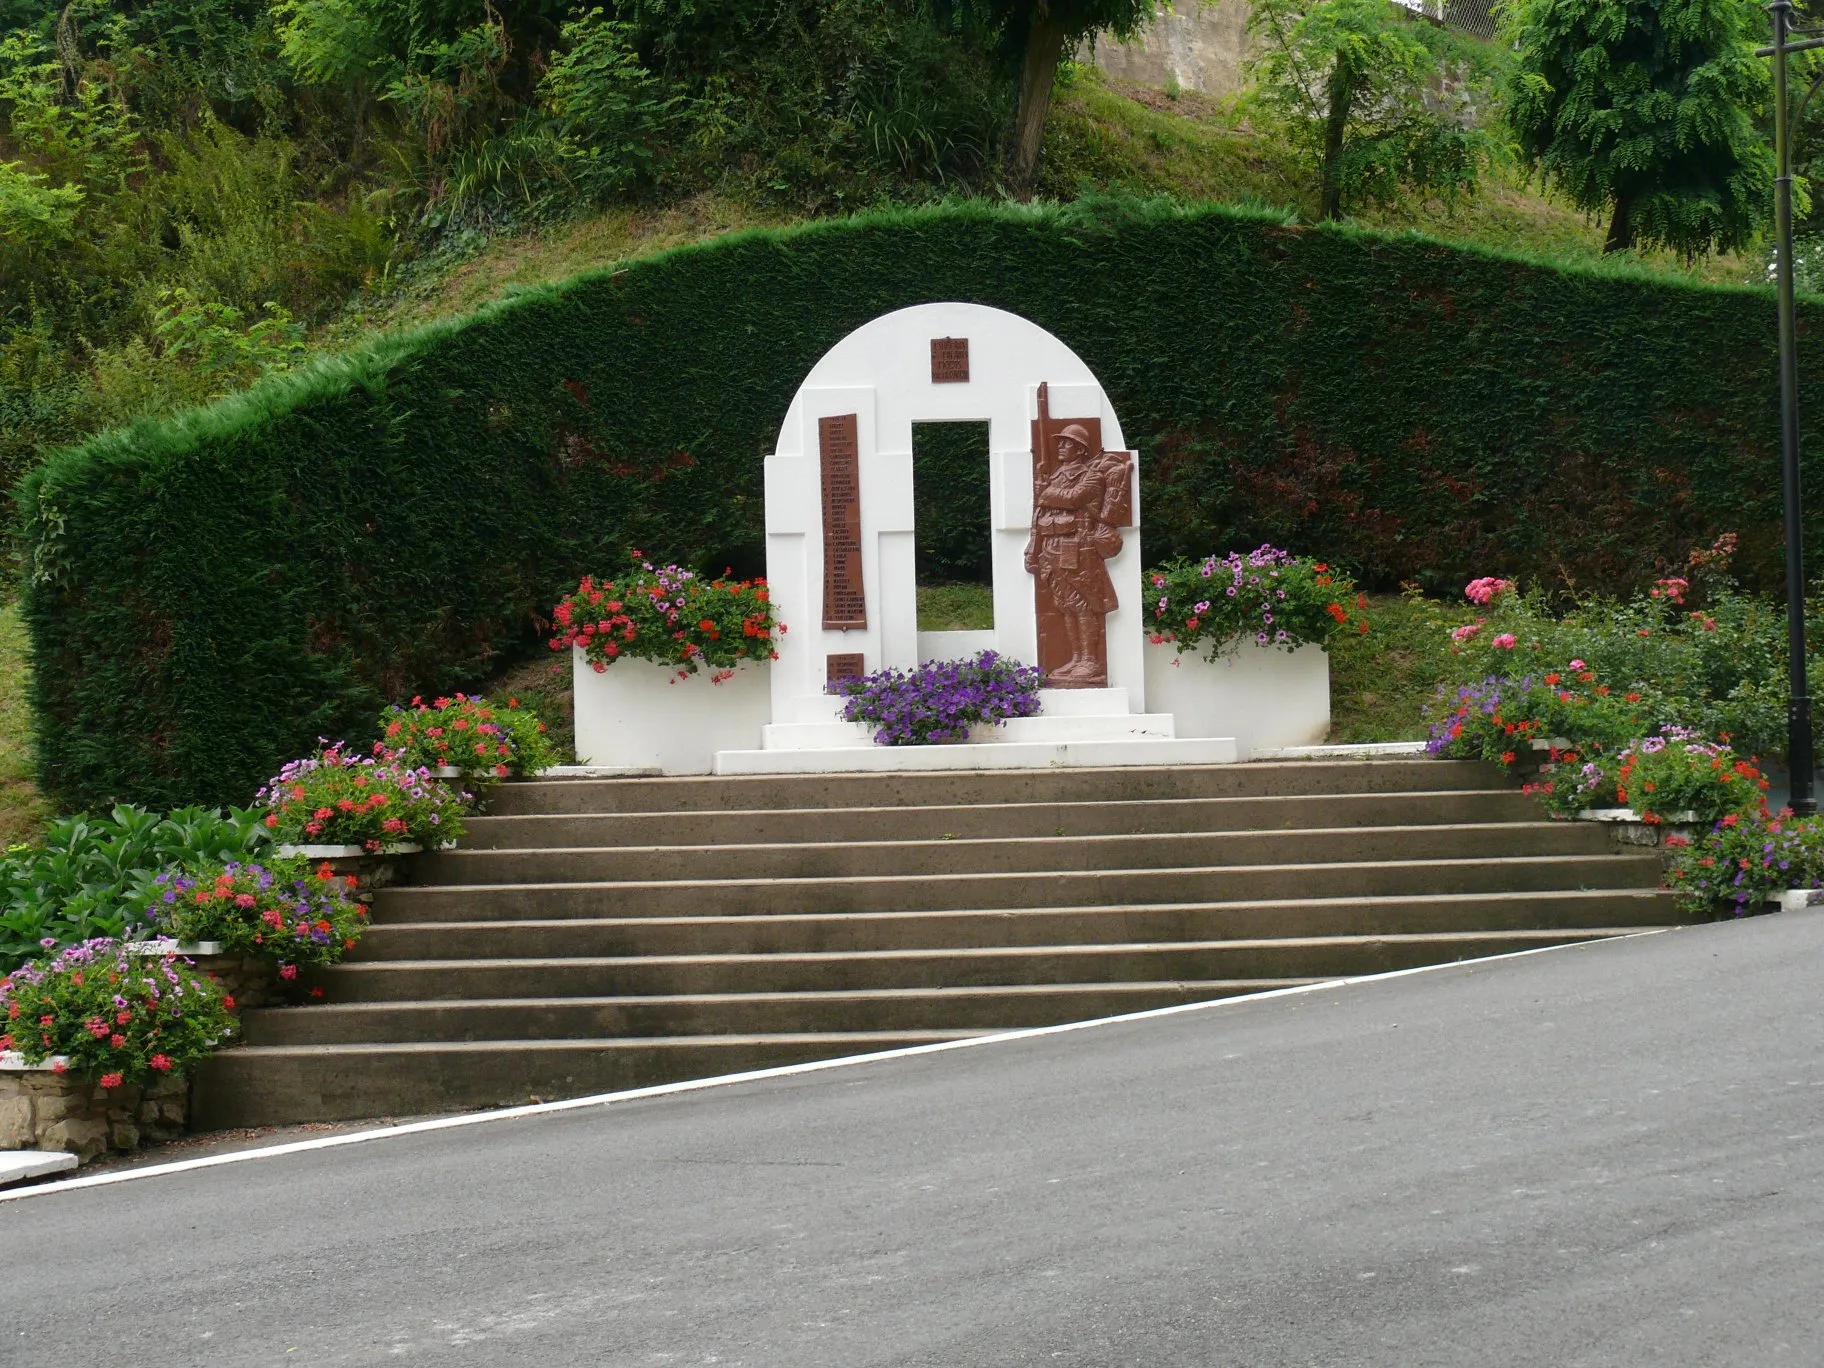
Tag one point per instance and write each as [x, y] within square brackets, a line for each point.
[209, 595]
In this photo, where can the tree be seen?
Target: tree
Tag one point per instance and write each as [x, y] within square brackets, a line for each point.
[1376, 97]
[1645, 109]
[1037, 33]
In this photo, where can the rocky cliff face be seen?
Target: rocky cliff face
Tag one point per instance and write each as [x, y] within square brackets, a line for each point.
[1200, 46]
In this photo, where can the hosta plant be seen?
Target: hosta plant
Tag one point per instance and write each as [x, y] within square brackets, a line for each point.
[670, 616]
[483, 740]
[341, 797]
[281, 910]
[940, 700]
[1266, 597]
[118, 1018]
[78, 883]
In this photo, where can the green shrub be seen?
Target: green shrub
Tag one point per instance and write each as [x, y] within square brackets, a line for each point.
[210, 595]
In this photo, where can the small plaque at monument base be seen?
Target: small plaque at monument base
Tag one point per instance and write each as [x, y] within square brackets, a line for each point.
[846, 665]
[845, 604]
[949, 360]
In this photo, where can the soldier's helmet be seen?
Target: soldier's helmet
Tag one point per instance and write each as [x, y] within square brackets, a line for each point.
[1077, 433]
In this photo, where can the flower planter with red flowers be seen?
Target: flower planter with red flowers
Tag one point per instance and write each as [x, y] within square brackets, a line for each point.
[94, 1044]
[669, 668]
[360, 812]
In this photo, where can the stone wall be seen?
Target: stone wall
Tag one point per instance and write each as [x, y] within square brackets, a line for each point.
[45, 1110]
[1200, 46]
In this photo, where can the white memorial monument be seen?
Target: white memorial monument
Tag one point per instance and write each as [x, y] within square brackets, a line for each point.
[1066, 558]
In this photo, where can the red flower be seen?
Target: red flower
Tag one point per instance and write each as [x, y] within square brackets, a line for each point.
[111, 1080]
[160, 1062]
[117, 1040]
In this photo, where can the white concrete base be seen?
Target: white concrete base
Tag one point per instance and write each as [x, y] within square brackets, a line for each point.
[1796, 899]
[345, 852]
[11, 1061]
[1366, 750]
[1629, 815]
[1265, 698]
[172, 947]
[598, 772]
[998, 754]
[1065, 717]
[16, 1166]
[636, 715]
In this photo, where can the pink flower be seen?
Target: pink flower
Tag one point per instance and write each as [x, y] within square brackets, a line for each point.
[1486, 588]
[1466, 631]
[1505, 641]
[160, 1062]
[1577, 665]
[288, 971]
[111, 1080]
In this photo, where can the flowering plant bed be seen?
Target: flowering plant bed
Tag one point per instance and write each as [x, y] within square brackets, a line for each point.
[1747, 860]
[476, 739]
[282, 910]
[113, 1017]
[940, 701]
[341, 797]
[1267, 597]
[670, 616]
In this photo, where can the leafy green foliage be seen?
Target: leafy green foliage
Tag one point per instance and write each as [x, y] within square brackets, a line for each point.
[1742, 858]
[1377, 99]
[208, 596]
[1646, 108]
[80, 882]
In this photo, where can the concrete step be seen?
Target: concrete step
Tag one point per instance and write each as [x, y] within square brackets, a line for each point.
[992, 786]
[1068, 888]
[554, 831]
[285, 1085]
[611, 976]
[878, 1009]
[1031, 854]
[795, 932]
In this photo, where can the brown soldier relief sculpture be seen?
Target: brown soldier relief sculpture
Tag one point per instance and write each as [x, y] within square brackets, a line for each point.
[1081, 497]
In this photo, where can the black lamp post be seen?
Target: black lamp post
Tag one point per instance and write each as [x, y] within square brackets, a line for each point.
[1798, 708]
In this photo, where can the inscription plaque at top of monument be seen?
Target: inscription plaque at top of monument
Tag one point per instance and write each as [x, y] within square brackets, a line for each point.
[949, 360]
[845, 605]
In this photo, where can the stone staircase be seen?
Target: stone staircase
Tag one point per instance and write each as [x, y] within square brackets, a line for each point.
[595, 935]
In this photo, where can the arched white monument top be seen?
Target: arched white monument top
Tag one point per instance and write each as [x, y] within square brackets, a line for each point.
[888, 376]
[1008, 355]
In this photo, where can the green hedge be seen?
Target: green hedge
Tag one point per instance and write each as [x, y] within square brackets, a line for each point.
[208, 595]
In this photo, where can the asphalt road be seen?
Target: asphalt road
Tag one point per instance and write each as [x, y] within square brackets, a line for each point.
[1602, 1156]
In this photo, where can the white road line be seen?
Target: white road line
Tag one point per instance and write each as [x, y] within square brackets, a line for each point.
[758, 1075]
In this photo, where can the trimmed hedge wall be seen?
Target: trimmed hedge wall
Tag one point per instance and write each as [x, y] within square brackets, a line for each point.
[208, 595]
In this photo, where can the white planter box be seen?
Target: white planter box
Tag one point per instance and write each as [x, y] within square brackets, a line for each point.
[1796, 899]
[161, 948]
[347, 852]
[636, 715]
[1267, 699]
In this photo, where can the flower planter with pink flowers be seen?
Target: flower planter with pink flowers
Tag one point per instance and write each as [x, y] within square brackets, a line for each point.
[669, 668]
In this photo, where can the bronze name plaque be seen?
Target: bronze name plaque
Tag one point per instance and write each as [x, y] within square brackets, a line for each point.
[847, 665]
[845, 604]
[949, 360]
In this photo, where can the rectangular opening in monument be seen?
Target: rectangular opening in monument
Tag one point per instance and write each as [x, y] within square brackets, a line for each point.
[951, 521]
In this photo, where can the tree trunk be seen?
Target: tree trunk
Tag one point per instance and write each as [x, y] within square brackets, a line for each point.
[1336, 123]
[1038, 69]
[1621, 230]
